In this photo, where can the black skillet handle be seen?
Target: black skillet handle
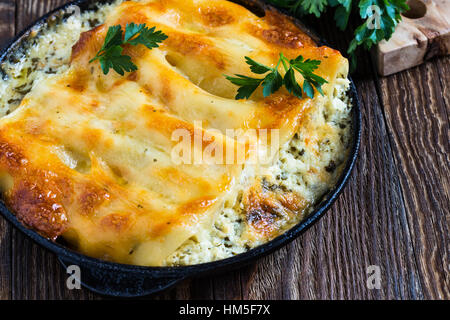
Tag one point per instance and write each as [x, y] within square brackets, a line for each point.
[114, 281]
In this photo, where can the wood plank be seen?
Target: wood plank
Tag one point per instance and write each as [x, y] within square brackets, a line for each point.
[7, 22]
[7, 16]
[417, 113]
[200, 288]
[227, 286]
[443, 69]
[30, 10]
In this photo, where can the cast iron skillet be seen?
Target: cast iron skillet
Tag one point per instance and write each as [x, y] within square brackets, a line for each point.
[121, 280]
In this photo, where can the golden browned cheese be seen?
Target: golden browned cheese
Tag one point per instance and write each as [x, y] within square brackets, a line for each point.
[90, 155]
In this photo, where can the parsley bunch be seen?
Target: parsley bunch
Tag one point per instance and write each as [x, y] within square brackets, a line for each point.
[273, 80]
[110, 55]
[380, 17]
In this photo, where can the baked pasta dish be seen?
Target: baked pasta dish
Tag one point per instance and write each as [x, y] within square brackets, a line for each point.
[97, 160]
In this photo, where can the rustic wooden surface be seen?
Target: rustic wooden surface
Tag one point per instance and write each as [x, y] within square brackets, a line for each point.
[394, 212]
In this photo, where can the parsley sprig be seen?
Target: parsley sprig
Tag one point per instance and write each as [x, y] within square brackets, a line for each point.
[273, 80]
[111, 53]
[376, 25]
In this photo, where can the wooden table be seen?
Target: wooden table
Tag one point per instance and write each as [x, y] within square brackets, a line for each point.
[394, 212]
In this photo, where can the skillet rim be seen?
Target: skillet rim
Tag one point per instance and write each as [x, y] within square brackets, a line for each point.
[178, 273]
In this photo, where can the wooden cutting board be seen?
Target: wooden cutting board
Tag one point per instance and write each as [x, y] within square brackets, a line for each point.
[423, 33]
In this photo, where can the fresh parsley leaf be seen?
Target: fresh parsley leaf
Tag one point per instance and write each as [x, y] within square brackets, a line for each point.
[342, 13]
[273, 80]
[315, 7]
[113, 37]
[302, 7]
[257, 67]
[306, 69]
[114, 59]
[272, 83]
[247, 85]
[291, 84]
[132, 30]
[111, 54]
[141, 34]
[307, 87]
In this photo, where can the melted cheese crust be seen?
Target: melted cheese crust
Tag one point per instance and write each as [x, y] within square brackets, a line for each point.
[89, 155]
